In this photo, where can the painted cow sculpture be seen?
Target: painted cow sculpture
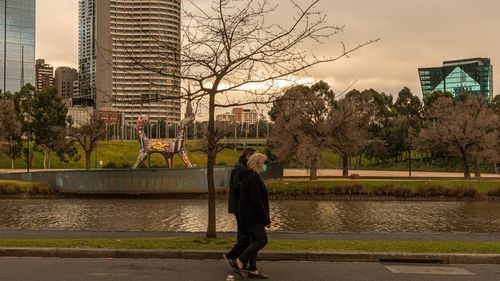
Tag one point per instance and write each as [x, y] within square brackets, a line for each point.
[166, 147]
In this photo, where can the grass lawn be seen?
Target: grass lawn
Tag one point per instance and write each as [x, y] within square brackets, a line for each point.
[274, 245]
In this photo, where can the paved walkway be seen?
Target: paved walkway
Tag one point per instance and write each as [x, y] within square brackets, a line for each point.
[373, 173]
[445, 236]
[62, 269]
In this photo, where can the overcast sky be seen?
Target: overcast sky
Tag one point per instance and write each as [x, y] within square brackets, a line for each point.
[413, 34]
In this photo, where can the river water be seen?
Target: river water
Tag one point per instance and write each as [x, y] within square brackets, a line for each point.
[294, 216]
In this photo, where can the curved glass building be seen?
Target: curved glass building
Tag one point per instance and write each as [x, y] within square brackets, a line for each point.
[17, 44]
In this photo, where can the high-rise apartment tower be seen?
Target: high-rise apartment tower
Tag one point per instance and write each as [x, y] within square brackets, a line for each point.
[117, 39]
[44, 74]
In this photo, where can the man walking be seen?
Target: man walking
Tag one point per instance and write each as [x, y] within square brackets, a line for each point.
[234, 197]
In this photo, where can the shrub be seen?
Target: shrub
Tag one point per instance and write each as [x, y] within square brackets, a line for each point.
[494, 192]
[465, 192]
[348, 188]
[36, 188]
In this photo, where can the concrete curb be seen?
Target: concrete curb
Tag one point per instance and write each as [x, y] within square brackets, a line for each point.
[441, 258]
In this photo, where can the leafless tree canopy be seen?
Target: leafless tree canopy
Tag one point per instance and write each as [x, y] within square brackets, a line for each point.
[236, 47]
[88, 136]
[307, 122]
[467, 129]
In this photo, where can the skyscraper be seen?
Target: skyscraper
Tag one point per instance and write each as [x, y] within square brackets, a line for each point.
[17, 44]
[115, 37]
[472, 76]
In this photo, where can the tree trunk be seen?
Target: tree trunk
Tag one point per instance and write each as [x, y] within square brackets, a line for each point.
[465, 166]
[45, 152]
[88, 154]
[345, 166]
[313, 174]
[211, 145]
[477, 168]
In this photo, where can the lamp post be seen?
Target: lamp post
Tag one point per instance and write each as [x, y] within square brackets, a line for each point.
[29, 148]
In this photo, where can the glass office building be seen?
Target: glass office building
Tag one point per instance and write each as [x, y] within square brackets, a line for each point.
[473, 76]
[17, 44]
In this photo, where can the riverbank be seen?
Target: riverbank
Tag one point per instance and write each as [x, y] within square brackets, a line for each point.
[335, 189]
[348, 188]
[20, 188]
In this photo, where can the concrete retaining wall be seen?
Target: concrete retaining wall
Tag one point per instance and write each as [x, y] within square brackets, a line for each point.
[153, 181]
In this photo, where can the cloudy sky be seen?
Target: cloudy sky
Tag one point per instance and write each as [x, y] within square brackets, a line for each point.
[413, 34]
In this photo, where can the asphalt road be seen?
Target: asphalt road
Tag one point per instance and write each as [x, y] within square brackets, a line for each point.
[53, 269]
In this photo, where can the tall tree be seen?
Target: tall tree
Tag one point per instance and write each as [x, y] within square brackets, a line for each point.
[230, 47]
[301, 125]
[466, 128]
[349, 125]
[10, 126]
[49, 120]
[407, 117]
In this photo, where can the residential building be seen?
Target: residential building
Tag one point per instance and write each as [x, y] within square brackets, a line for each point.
[226, 117]
[65, 78]
[247, 116]
[80, 115]
[44, 75]
[76, 89]
[474, 76]
[17, 44]
[115, 35]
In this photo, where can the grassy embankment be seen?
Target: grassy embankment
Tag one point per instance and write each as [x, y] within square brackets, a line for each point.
[397, 188]
[274, 245]
[119, 154]
[123, 154]
[19, 187]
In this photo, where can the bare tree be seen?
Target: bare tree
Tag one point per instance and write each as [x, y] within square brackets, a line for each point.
[88, 136]
[301, 124]
[233, 46]
[349, 129]
[467, 129]
[10, 125]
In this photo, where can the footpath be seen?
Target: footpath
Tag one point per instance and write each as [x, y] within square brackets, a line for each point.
[441, 258]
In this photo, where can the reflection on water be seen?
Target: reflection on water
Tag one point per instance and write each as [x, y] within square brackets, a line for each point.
[298, 216]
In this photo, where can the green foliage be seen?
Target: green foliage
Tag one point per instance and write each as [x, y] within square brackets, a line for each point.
[18, 187]
[395, 188]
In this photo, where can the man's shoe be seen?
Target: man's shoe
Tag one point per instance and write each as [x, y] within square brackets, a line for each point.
[257, 276]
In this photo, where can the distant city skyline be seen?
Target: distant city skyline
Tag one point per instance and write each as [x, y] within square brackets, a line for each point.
[413, 34]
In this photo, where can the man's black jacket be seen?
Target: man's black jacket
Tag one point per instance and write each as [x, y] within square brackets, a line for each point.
[254, 200]
[235, 185]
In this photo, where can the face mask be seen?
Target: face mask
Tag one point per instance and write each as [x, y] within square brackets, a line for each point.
[264, 168]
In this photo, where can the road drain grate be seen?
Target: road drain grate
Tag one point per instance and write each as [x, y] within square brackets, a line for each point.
[428, 270]
[410, 261]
